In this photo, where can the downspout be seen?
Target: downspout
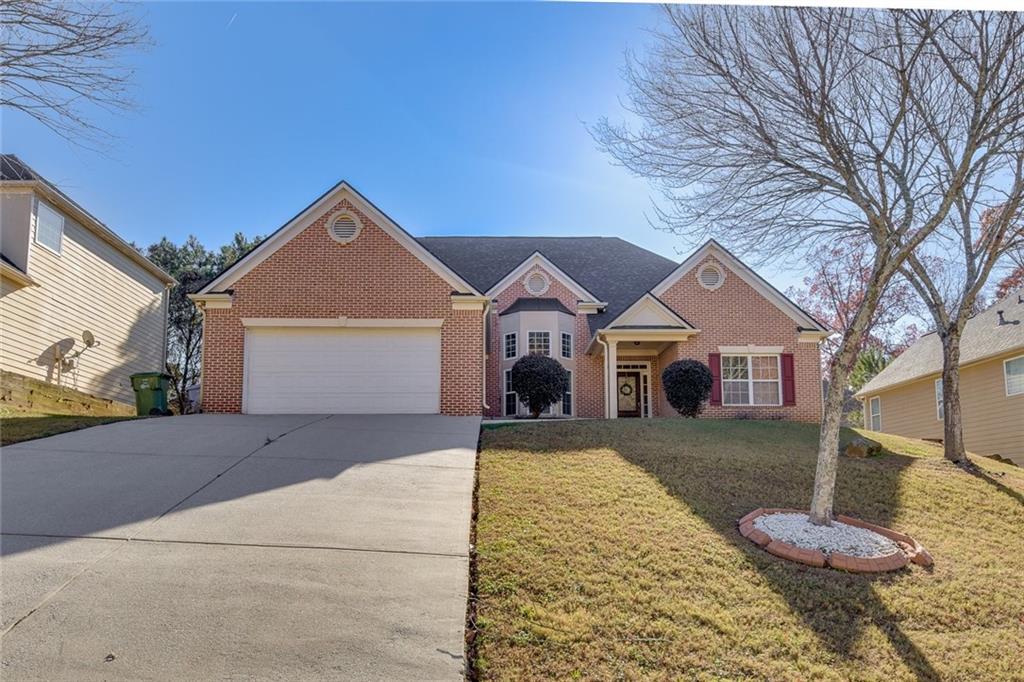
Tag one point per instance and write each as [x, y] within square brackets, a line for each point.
[604, 363]
[486, 407]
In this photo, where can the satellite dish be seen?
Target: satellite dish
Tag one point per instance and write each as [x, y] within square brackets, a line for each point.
[89, 339]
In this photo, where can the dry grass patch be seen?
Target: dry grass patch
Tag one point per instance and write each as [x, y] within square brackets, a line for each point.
[609, 550]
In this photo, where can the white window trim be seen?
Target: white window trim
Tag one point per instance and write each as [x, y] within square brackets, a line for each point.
[561, 351]
[938, 399]
[538, 331]
[572, 395]
[751, 380]
[63, 225]
[874, 400]
[504, 347]
[1006, 376]
[506, 392]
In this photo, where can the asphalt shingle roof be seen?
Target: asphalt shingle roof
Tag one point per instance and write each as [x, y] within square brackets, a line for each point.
[12, 168]
[983, 337]
[536, 304]
[610, 268]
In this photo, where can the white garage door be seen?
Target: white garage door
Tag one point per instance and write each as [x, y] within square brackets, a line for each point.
[330, 370]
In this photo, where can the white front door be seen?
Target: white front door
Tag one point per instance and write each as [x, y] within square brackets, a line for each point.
[320, 370]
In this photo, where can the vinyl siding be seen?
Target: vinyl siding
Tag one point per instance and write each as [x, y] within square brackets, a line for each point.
[993, 421]
[89, 286]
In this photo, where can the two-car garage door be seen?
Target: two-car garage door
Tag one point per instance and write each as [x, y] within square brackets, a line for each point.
[319, 370]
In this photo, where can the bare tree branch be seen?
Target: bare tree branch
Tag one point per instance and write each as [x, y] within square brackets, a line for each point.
[60, 59]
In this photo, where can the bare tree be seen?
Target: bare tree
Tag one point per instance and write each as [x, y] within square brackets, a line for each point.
[57, 59]
[950, 282]
[777, 129]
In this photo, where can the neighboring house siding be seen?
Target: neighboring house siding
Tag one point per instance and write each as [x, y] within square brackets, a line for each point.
[91, 286]
[313, 276]
[735, 314]
[993, 422]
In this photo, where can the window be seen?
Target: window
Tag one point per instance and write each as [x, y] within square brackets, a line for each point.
[510, 398]
[539, 343]
[876, 414]
[510, 346]
[939, 413]
[751, 380]
[566, 345]
[567, 398]
[1013, 373]
[49, 227]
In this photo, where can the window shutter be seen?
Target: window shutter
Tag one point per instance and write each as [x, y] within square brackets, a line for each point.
[715, 364]
[788, 380]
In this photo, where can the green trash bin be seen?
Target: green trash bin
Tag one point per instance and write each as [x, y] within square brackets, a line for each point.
[151, 393]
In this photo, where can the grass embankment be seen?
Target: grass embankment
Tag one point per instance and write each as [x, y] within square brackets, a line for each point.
[34, 409]
[609, 550]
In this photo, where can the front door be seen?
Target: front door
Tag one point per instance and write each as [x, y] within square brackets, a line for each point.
[629, 394]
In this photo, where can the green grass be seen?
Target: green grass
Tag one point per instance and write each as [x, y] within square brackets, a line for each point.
[21, 426]
[608, 549]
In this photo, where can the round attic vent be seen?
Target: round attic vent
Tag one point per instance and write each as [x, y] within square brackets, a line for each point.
[536, 283]
[710, 276]
[344, 228]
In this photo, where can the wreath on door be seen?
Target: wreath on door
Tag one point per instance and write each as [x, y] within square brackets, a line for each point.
[626, 389]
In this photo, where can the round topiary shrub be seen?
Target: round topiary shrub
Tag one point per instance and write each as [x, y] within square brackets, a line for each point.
[687, 385]
[539, 381]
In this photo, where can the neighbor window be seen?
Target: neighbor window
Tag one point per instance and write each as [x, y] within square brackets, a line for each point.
[539, 343]
[566, 345]
[49, 227]
[510, 397]
[875, 414]
[510, 346]
[1013, 372]
[939, 411]
[751, 380]
[567, 398]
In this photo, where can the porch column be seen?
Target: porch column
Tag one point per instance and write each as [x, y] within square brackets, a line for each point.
[610, 393]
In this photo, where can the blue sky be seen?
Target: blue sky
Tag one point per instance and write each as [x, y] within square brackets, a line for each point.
[453, 118]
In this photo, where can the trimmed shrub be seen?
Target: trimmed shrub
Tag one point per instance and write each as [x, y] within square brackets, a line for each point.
[539, 381]
[687, 386]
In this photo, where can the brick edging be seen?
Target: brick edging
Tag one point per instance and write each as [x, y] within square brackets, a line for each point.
[910, 549]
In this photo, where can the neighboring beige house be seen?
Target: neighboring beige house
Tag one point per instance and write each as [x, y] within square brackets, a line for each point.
[906, 397]
[64, 273]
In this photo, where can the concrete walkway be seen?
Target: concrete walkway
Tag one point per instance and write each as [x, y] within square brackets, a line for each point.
[243, 547]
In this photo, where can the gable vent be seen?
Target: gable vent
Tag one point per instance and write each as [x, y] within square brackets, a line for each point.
[710, 276]
[536, 283]
[344, 228]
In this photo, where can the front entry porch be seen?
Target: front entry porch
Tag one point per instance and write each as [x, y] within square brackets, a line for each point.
[630, 360]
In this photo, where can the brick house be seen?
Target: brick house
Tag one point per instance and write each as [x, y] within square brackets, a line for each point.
[341, 310]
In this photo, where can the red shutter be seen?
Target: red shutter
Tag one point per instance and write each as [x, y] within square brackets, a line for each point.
[788, 380]
[715, 364]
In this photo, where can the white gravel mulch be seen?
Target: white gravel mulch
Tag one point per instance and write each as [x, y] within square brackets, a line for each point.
[796, 529]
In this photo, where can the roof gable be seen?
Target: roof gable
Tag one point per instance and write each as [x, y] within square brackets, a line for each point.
[538, 260]
[648, 311]
[713, 249]
[315, 211]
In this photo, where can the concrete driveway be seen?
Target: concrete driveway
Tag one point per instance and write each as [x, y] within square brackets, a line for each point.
[230, 546]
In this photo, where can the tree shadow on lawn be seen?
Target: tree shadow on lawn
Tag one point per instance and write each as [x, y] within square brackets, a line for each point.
[720, 488]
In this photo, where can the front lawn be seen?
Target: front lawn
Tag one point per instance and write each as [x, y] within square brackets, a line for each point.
[608, 549]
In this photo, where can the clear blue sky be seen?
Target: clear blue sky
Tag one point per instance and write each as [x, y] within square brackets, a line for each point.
[453, 118]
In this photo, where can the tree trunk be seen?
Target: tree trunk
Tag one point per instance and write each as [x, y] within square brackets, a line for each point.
[832, 420]
[952, 422]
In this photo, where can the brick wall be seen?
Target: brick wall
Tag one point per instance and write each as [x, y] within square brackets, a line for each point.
[313, 276]
[735, 314]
